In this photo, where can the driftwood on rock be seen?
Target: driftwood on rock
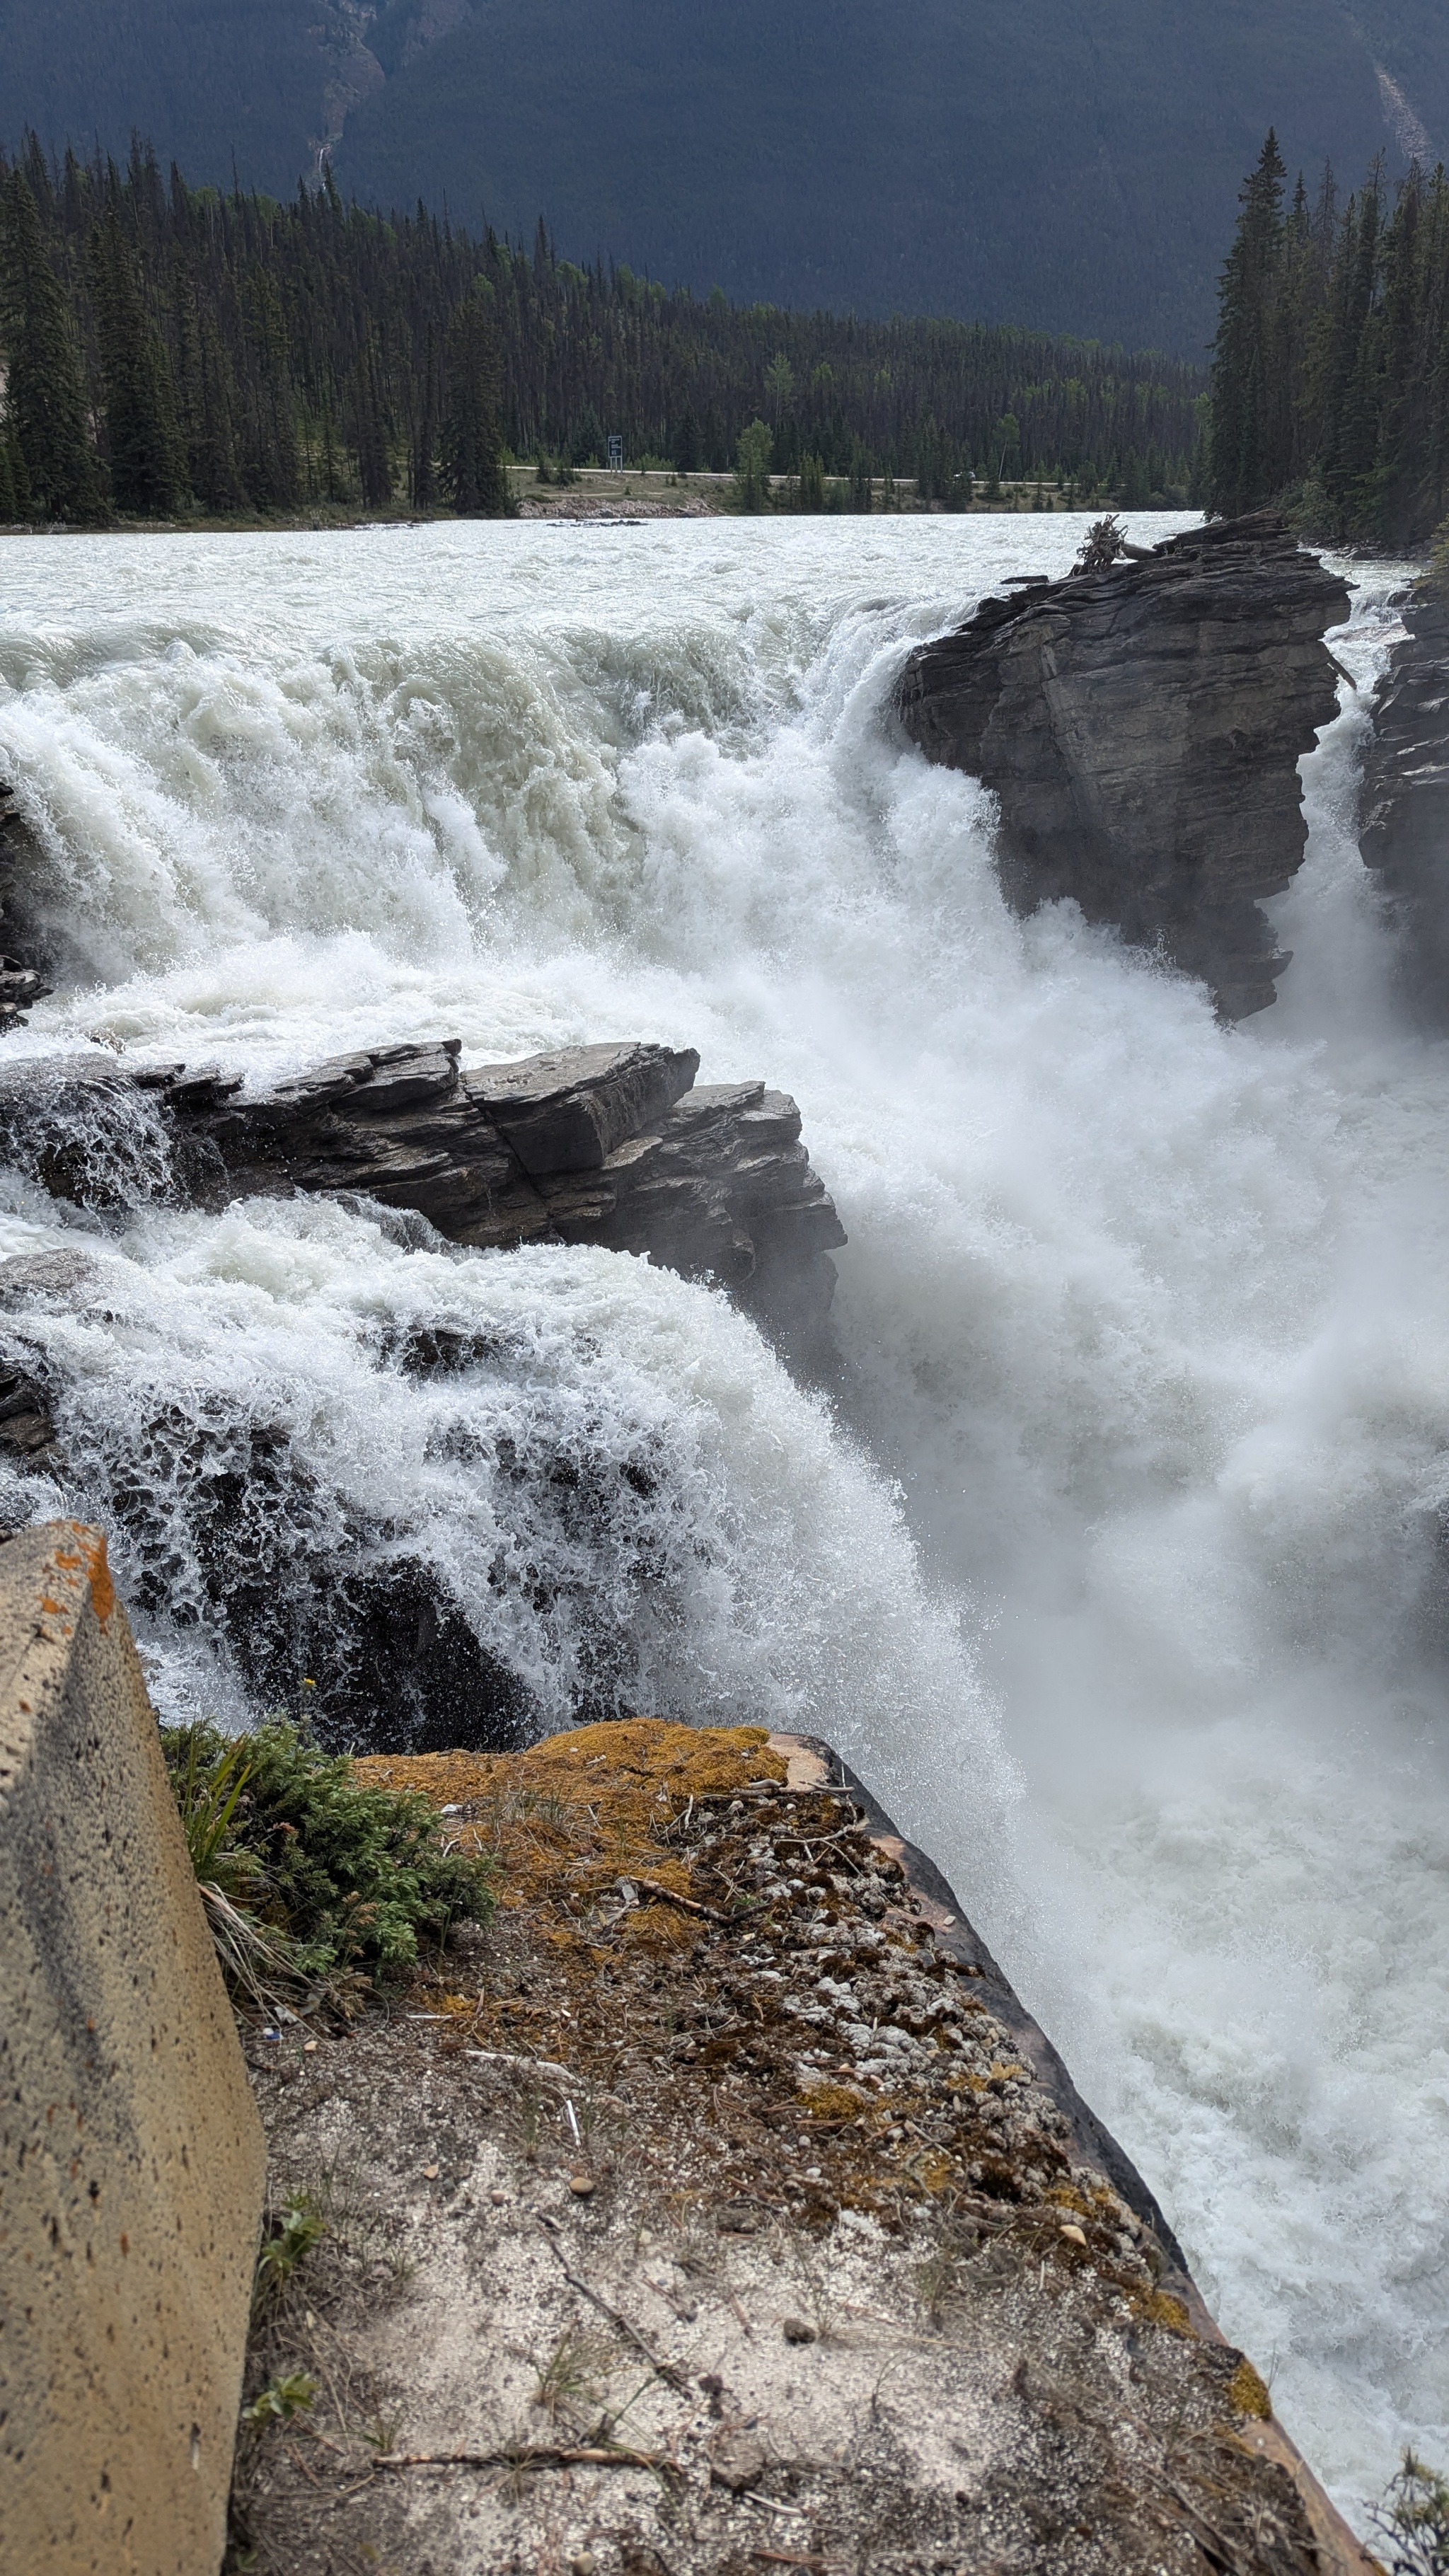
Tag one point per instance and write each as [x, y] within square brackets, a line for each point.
[1141, 726]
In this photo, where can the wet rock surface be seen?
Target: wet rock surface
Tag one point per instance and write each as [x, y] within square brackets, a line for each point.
[1141, 727]
[615, 1145]
[1404, 812]
[708, 2212]
[20, 985]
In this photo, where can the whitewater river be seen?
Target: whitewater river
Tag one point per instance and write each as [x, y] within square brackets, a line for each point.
[1116, 1560]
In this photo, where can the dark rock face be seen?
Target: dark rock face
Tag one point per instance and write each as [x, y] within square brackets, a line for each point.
[1405, 807]
[1142, 728]
[592, 1144]
[20, 985]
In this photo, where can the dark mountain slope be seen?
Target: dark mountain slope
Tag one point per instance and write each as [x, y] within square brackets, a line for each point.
[1073, 167]
[263, 84]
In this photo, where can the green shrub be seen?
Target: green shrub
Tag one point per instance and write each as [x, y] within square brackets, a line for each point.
[312, 1877]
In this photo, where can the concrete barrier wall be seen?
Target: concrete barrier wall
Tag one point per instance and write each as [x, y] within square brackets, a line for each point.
[131, 2156]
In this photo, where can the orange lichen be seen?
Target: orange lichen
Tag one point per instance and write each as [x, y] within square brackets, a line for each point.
[1247, 2393]
[1164, 2310]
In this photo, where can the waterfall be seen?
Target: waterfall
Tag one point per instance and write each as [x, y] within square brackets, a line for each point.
[1116, 1556]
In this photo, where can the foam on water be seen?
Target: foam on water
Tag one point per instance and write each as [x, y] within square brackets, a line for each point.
[1146, 1323]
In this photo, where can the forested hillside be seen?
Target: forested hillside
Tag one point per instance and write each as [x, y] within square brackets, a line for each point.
[238, 354]
[1073, 169]
[1330, 383]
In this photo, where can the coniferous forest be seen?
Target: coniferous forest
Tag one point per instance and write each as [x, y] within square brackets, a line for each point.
[1330, 377]
[171, 351]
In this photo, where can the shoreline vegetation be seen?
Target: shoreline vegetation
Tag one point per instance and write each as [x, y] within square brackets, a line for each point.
[591, 494]
[175, 355]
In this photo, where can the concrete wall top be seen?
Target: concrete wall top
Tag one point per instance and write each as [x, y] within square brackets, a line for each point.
[131, 2156]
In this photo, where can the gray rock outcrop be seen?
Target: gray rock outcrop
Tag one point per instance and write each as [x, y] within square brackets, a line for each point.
[612, 1144]
[1404, 832]
[1141, 727]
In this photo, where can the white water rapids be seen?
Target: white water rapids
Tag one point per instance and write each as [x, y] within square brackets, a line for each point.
[1117, 1565]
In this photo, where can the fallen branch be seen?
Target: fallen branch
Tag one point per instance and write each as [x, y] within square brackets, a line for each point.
[665, 2370]
[527, 2455]
[523, 2065]
[687, 1905]
[789, 2558]
[550, 2067]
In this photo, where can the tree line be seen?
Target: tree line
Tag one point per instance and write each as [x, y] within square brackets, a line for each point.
[1330, 372]
[170, 349]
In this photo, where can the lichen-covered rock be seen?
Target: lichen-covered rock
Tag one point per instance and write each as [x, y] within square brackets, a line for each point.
[749, 2218]
[1142, 728]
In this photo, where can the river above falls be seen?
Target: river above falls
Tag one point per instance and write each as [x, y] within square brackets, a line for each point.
[1116, 1558]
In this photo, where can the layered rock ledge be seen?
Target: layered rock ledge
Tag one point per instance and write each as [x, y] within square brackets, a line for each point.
[1141, 727]
[612, 1144]
[722, 2207]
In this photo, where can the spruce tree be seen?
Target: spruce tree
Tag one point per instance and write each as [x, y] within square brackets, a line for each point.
[144, 448]
[473, 467]
[46, 412]
[369, 417]
[1249, 449]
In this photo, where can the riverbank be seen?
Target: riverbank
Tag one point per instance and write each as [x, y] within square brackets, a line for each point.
[593, 493]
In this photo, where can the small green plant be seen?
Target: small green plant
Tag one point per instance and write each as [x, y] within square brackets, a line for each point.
[570, 2377]
[298, 2228]
[314, 1881]
[207, 1792]
[1413, 2515]
[281, 2399]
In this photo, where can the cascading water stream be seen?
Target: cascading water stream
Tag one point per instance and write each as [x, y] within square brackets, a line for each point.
[1119, 1561]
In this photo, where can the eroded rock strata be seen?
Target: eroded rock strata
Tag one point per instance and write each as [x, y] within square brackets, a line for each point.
[1142, 727]
[1405, 805]
[611, 1144]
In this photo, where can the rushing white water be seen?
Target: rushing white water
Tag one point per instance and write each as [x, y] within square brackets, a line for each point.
[1120, 1567]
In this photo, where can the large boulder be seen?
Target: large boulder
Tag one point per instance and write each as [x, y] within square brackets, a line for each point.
[1141, 727]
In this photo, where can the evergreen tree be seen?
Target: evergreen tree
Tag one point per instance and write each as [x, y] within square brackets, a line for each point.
[752, 468]
[369, 435]
[586, 447]
[472, 446]
[685, 450]
[269, 456]
[1250, 446]
[143, 446]
[46, 411]
[423, 472]
[810, 492]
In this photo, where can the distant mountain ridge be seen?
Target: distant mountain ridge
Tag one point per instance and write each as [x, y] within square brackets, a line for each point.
[1075, 169]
